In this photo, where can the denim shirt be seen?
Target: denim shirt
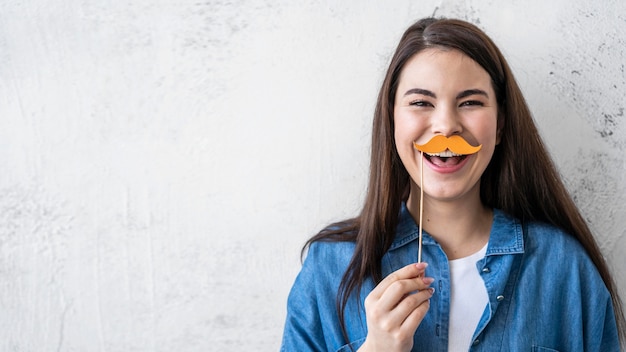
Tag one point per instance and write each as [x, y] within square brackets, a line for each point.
[544, 292]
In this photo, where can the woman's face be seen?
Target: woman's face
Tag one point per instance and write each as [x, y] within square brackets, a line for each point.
[444, 92]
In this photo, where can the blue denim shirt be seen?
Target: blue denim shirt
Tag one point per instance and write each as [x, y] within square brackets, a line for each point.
[545, 294]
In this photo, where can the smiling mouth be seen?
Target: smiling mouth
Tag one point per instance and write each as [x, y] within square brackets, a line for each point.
[445, 158]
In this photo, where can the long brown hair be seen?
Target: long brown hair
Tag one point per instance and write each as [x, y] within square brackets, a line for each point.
[521, 178]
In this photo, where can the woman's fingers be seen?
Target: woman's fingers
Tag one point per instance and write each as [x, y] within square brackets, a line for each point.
[410, 271]
[399, 294]
[399, 284]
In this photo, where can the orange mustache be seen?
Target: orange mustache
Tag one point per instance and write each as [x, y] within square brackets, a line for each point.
[455, 144]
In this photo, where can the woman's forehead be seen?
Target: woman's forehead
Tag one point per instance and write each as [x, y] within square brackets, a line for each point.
[436, 69]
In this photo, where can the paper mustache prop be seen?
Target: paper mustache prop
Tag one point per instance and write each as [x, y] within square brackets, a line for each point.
[438, 145]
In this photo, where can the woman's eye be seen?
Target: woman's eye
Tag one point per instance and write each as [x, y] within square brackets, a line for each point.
[472, 103]
[420, 103]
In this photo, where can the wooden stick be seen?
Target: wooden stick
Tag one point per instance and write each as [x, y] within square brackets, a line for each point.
[419, 249]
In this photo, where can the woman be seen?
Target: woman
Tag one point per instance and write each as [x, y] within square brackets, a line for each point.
[508, 261]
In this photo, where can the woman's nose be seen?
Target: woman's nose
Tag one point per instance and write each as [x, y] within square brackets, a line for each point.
[445, 121]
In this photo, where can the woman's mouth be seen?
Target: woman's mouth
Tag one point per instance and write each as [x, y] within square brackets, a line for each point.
[445, 159]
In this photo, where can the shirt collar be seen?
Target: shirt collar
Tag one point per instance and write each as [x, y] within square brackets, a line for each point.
[506, 235]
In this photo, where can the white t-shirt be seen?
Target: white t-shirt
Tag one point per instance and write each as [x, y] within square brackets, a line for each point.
[468, 299]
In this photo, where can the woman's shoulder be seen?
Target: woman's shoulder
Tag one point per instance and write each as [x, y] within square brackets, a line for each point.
[546, 237]
[544, 244]
[322, 269]
[328, 253]
[551, 247]
[333, 242]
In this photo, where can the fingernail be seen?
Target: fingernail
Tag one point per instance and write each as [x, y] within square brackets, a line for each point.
[422, 265]
[432, 290]
[428, 280]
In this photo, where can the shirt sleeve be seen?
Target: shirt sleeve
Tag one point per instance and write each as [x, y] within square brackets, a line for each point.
[312, 322]
[303, 326]
[599, 327]
[606, 329]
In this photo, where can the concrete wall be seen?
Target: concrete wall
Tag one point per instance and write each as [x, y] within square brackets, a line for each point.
[162, 162]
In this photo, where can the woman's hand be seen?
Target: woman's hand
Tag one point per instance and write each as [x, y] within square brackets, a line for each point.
[395, 308]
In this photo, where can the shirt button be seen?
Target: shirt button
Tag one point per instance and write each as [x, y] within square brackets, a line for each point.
[476, 342]
[500, 298]
[486, 270]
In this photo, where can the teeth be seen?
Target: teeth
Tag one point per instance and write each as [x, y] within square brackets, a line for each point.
[444, 154]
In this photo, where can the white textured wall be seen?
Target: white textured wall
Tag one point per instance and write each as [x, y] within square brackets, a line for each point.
[162, 162]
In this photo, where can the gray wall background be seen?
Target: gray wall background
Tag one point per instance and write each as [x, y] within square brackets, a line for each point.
[162, 162]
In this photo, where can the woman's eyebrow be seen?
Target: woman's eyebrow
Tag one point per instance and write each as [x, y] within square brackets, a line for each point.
[461, 95]
[467, 93]
[420, 91]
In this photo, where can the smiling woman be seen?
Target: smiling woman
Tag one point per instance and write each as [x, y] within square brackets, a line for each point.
[453, 139]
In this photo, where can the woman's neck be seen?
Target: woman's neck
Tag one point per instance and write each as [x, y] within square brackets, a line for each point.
[460, 226]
